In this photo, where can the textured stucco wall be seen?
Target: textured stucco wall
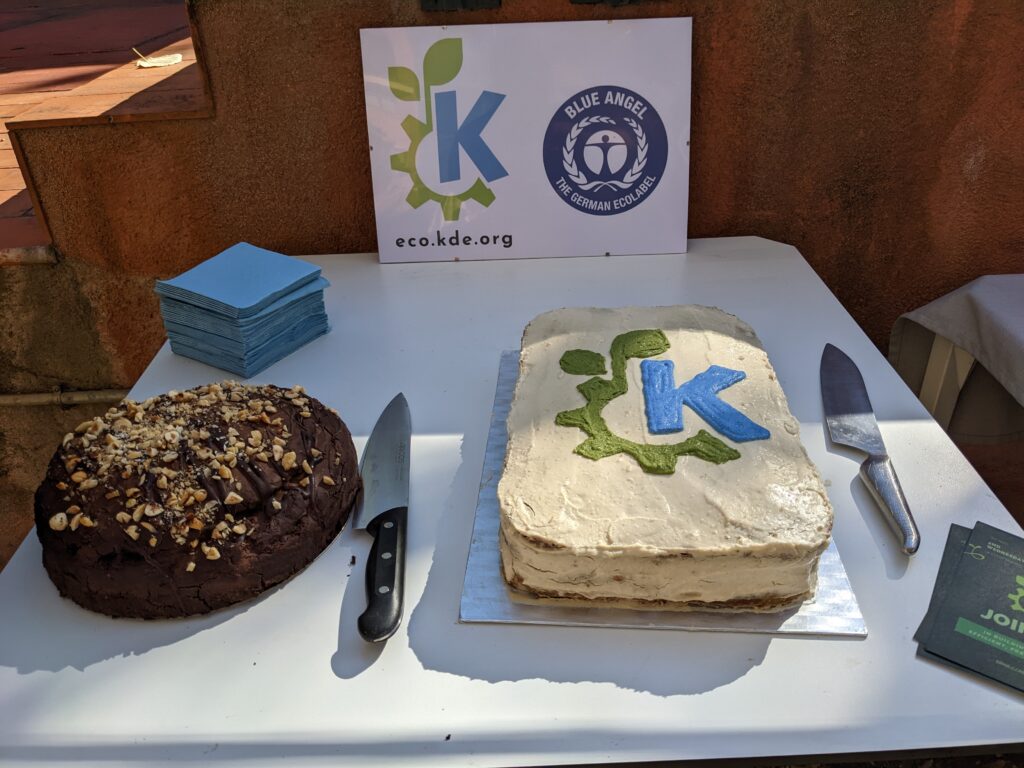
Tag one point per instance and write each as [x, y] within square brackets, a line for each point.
[884, 140]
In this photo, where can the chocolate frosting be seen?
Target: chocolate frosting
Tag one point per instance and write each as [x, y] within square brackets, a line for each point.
[194, 500]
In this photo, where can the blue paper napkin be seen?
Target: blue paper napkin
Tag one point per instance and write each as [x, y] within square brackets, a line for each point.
[240, 281]
[249, 366]
[292, 307]
[244, 309]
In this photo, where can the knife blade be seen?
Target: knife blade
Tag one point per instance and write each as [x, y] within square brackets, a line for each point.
[383, 512]
[851, 422]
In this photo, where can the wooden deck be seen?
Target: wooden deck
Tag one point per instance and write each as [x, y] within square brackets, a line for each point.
[70, 62]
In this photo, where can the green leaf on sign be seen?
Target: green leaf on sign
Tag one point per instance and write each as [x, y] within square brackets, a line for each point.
[404, 83]
[442, 62]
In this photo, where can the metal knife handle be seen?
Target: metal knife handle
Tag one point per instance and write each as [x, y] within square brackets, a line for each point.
[880, 478]
[385, 576]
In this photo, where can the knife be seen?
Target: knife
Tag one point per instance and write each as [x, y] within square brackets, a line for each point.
[851, 422]
[382, 512]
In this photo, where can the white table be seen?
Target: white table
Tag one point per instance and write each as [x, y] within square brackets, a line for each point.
[287, 677]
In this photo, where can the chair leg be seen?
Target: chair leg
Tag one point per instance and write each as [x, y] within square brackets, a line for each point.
[947, 370]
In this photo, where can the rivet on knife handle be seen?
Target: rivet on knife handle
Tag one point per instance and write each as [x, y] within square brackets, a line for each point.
[385, 576]
[880, 478]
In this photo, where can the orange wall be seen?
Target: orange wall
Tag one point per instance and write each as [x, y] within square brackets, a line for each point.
[884, 140]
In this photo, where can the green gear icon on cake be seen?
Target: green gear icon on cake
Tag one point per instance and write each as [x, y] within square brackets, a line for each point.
[1017, 598]
[601, 442]
[441, 64]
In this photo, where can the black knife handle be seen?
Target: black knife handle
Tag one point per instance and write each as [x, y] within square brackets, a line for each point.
[880, 478]
[385, 576]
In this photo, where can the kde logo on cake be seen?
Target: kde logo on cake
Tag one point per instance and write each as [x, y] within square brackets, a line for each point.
[605, 150]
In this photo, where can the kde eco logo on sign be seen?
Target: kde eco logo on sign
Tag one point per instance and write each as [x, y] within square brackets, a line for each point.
[442, 62]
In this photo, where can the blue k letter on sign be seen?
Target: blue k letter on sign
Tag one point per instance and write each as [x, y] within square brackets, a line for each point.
[451, 135]
[664, 401]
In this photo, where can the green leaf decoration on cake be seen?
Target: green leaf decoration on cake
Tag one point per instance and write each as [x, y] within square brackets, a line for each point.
[598, 392]
[638, 344]
[583, 362]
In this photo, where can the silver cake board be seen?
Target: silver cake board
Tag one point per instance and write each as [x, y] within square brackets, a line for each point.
[486, 598]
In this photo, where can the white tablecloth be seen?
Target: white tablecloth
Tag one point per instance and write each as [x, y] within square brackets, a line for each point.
[285, 680]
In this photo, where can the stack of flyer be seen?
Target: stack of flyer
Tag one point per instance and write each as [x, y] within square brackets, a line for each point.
[975, 621]
[244, 309]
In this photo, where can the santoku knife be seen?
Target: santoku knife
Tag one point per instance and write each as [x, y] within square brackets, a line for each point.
[851, 422]
[382, 512]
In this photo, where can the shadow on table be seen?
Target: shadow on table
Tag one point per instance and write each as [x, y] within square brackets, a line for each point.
[874, 518]
[896, 562]
[354, 655]
[660, 662]
[36, 637]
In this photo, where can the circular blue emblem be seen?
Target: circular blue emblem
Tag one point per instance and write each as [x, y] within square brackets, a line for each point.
[605, 150]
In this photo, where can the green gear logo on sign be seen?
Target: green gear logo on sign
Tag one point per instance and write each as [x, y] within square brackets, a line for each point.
[441, 64]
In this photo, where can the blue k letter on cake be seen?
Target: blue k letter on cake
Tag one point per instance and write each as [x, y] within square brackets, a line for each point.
[664, 401]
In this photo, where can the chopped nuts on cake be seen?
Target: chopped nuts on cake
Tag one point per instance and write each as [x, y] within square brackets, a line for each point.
[204, 466]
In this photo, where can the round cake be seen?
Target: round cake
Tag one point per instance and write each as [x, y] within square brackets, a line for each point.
[194, 500]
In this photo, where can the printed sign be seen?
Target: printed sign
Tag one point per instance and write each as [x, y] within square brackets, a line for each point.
[529, 140]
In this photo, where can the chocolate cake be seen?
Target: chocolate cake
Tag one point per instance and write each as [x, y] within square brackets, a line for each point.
[194, 500]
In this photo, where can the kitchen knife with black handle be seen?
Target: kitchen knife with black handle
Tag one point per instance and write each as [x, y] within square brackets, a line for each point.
[383, 512]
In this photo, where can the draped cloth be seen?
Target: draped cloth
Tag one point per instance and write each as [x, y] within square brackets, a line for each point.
[986, 319]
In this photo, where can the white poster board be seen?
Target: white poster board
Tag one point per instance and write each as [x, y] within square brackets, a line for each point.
[528, 140]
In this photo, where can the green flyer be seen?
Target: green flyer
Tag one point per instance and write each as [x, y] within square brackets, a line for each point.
[980, 623]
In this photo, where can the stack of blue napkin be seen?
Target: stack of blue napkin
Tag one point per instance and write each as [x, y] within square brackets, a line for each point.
[243, 309]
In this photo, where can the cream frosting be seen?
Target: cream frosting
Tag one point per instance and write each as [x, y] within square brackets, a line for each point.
[746, 531]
